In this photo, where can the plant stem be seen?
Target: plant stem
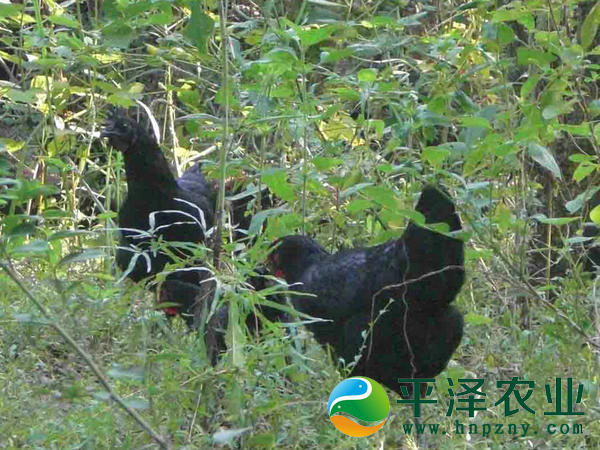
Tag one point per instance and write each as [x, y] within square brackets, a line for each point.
[220, 210]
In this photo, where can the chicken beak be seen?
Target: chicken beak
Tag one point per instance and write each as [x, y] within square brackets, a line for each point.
[108, 131]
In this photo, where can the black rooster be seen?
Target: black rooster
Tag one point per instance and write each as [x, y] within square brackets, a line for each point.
[162, 217]
[403, 288]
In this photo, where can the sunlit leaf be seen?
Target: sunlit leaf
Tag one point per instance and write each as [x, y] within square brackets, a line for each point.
[367, 75]
[10, 145]
[595, 215]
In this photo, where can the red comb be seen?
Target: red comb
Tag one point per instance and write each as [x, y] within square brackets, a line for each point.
[171, 311]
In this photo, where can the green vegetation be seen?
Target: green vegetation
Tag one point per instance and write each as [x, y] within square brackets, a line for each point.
[344, 110]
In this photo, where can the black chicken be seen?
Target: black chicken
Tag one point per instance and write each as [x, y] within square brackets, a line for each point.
[403, 287]
[162, 217]
[158, 207]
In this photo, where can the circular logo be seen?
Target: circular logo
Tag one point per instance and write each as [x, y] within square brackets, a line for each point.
[358, 406]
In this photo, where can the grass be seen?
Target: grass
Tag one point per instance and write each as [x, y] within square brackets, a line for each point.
[272, 394]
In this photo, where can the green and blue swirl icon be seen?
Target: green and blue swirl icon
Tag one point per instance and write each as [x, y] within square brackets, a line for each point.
[358, 406]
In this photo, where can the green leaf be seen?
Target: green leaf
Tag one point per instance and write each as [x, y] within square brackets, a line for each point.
[48, 63]
[120, 100]
[65, 20]
[581, 157]
[314, 35]
[383, 21]
[118, 34]
[55, 213]
[505, 34]
[595, 215]
[354, 189]
[35, 247]
[358, 205]
[107, 215]
[477, 319]
[276, 181]
[163, 17]
[544, 158]
[259, 218]
[526, 56]
[583, 129]
[583, 170]
[10, 146]
[333, 55]
[476, 122]
[529, 85]
[10, 10]
[551, 112]
[22, 96]
[324, 164]
[23, 229]
[85, 255]
[367, 75]
[61, 144]
[594, 107]
[506, 15]
[346, 93]
[554, 220]
[590, 26]
[527, 19]
[69, 233]
[376, 125]
[200, 27]
[435, 155]
[382, 195]
[577, 203]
